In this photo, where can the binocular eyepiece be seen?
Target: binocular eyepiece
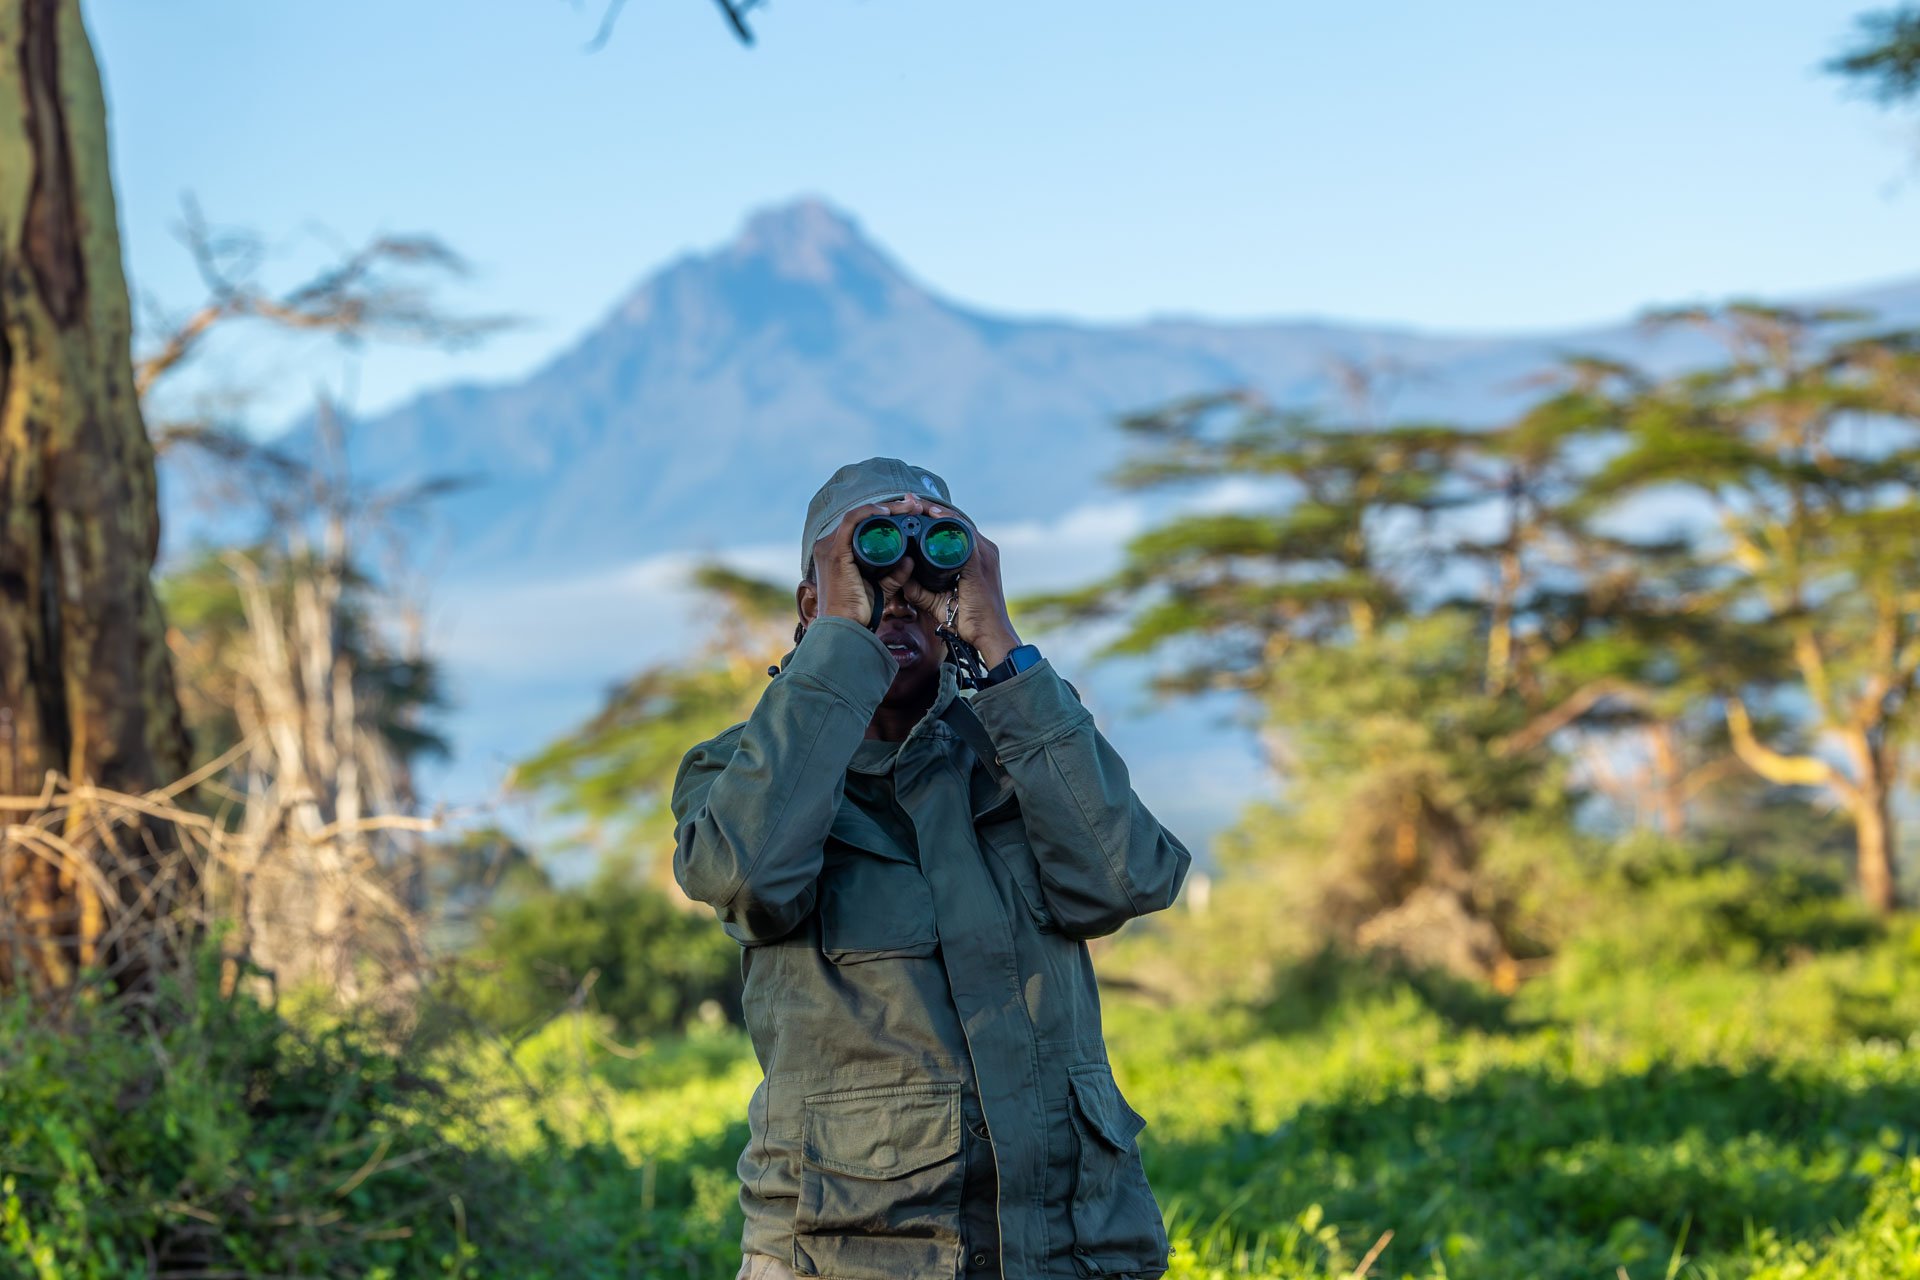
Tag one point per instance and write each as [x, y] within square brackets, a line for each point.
[939, 546]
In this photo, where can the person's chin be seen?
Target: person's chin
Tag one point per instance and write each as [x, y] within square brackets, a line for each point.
[912, 678]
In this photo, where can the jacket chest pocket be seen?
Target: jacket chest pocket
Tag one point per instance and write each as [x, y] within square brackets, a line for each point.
[1117, 1227]
[874, 903]
[880, 1184]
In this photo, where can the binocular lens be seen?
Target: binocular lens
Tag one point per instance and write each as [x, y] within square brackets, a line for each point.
[946, 544]
[939, 547]
[879, 542]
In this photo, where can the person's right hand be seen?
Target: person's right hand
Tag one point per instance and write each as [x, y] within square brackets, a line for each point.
[844, 590]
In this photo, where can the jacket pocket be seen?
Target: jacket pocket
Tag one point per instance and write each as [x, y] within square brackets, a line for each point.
[1116, 1224]
[873, 907]
[880, 1184]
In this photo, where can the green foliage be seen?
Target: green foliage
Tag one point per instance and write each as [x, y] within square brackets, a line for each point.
[216, 1136]
[617, 945]
[1738, 1103]
[213, 1137]
[1663, 908]
[1670, 1112]
[1885, 61]
[1409, 776]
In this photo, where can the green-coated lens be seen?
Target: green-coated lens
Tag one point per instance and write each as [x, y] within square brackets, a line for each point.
[879, 542]
[947, 545]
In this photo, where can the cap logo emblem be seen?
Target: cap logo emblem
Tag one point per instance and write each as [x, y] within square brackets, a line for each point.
[926, 482]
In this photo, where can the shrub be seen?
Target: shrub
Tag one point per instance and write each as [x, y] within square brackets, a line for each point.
[617, 945]
[204, 1135]
[1664, 906]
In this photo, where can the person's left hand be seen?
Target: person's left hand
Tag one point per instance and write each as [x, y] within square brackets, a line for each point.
[981, 619]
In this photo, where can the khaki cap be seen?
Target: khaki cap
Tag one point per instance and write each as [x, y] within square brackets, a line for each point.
[859, 483]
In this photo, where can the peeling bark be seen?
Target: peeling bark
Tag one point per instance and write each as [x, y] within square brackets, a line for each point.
[86, 681]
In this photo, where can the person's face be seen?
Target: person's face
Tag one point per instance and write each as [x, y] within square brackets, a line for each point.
[917, 652]
[909, 635]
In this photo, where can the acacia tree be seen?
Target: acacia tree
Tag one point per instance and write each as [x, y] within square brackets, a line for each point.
[1387, 610]
[1805, 444]
[1427, 615]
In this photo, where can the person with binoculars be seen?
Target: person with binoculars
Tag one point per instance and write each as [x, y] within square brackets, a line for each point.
[913, 837]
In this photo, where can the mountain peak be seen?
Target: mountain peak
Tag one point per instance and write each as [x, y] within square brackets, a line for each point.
[805, 239]
[804, 257]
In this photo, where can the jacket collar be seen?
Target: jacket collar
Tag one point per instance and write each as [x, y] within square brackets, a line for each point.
[869, 758]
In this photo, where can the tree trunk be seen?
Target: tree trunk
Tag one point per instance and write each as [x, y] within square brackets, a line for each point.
[1874, 767]
[1873, 822]
[1669, 779]
[86, 683]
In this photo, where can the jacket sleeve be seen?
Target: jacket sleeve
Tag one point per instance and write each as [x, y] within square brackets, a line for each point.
[1103, 858]
[752, 807]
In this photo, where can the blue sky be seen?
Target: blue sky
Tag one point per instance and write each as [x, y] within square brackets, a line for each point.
[1480, 166]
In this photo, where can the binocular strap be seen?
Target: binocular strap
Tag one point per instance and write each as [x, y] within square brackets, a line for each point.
[959, 716]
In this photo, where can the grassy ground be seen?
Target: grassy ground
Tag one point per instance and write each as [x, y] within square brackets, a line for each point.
[1656, 1104]
[1725, 1120]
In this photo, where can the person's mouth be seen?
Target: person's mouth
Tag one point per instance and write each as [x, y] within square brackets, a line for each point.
[904, 652]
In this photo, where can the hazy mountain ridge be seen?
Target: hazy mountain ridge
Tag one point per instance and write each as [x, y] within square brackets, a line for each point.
[754, 370]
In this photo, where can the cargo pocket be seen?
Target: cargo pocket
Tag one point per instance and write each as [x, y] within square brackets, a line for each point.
[1116, 1224]
[880, 1183]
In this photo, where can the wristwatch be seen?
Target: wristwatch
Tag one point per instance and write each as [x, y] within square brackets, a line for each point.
[1016, 661]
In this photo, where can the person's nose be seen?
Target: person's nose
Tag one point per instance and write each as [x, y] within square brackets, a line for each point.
[895, 588]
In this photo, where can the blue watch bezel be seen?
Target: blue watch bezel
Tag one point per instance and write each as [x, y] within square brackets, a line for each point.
[1019, 658]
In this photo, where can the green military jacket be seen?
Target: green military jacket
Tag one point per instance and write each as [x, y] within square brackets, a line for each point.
[895, 987]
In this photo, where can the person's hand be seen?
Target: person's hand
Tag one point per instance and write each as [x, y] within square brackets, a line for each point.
[981, 617]
[844, 590]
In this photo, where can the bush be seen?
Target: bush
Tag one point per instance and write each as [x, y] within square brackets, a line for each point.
[1664, 906]
[616, 945]
[198, 1135]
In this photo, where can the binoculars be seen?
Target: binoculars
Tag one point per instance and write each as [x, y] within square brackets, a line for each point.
[939, 547]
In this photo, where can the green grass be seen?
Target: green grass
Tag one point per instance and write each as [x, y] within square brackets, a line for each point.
[1719, 1121]
[1742, 1118]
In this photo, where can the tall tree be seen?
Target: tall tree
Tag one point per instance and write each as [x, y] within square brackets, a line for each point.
[1389, 609]
[86, 688]
[1805, 445]
[1231, 590]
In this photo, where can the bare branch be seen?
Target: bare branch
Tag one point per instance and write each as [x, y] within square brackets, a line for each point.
[735, 14]
[373, 292]
[1781, 770]
[1570, 709]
